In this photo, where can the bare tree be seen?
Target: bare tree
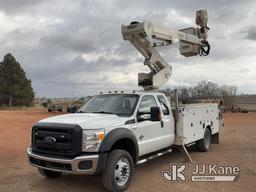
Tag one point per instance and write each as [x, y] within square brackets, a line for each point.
[203, 90]
[226, 90]
[185, 94]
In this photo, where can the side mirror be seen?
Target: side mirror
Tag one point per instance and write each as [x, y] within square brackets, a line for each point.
[155, 114]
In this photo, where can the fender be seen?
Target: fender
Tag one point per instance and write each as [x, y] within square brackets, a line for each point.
[113, 136]
[215, 136]
[208, 125]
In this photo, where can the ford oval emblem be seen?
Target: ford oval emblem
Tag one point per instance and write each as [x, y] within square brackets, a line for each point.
[49, 140]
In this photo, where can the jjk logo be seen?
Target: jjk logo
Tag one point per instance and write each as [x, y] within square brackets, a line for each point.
[176, 173]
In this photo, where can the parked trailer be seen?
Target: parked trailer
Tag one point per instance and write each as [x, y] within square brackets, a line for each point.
[55, 108]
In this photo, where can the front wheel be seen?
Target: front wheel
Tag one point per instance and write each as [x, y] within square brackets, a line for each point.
[117, 175]
[204, 144]
[48, 173]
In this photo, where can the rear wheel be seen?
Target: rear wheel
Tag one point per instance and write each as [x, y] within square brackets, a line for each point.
[117, 175]
[204, 144]
[48, 173]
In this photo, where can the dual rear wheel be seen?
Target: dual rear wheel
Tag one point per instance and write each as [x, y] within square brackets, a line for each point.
[204, 144]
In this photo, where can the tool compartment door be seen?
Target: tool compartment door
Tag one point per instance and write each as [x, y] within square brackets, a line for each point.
[193, 120]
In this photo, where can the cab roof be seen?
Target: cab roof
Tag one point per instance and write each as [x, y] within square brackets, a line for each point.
[140, 92]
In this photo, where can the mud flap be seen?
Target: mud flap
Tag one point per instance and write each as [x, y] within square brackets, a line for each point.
[215, 138]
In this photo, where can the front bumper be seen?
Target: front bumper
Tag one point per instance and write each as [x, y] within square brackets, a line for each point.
[84, 164]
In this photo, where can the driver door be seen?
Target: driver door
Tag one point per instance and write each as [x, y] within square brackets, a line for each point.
[149, 133]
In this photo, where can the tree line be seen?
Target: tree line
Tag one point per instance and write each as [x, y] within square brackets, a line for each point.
[15, 88]
[203, 90]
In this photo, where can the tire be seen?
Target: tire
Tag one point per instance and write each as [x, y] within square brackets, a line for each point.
[49, 174]
[118, 172]
[204, 144]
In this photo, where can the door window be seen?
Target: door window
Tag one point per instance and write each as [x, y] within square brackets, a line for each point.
[146, 103]
[163, 104]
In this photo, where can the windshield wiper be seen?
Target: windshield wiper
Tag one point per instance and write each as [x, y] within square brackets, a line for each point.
[103, 112]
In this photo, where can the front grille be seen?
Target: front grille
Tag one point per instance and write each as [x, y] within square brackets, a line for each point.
[66, 139]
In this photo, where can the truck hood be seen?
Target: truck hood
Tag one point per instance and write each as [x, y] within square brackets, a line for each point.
[88, 120]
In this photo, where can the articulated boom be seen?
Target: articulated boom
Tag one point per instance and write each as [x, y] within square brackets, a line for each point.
[145, 37]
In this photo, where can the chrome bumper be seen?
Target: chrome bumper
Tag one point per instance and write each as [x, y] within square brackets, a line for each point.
[73, 164]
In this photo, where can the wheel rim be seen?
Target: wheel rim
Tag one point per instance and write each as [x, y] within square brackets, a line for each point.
[122, 171]
[207, 139]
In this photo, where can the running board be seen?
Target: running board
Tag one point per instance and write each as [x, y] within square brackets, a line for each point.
[153, 156]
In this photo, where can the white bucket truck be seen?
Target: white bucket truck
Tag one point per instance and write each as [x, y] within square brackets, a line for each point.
[113, 132]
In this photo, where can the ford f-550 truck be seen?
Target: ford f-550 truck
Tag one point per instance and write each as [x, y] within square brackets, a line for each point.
[113, 132]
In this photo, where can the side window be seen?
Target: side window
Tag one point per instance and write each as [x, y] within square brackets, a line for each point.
[163, 104]
[146, 103]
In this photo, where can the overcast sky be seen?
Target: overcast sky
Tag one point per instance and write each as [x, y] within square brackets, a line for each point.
[75, 47]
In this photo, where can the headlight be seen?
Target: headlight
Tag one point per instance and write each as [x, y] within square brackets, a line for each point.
[91, 140]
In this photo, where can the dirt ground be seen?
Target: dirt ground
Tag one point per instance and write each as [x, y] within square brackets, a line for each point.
[237, 148]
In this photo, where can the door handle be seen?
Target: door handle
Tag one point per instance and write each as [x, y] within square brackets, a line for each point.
[162, 124]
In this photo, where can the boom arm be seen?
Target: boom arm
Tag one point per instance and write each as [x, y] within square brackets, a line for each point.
[145, 37]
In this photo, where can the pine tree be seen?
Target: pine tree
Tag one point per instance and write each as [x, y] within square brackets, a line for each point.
[15, 88]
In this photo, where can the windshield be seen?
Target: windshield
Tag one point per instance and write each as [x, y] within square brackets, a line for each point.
[119, 104]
